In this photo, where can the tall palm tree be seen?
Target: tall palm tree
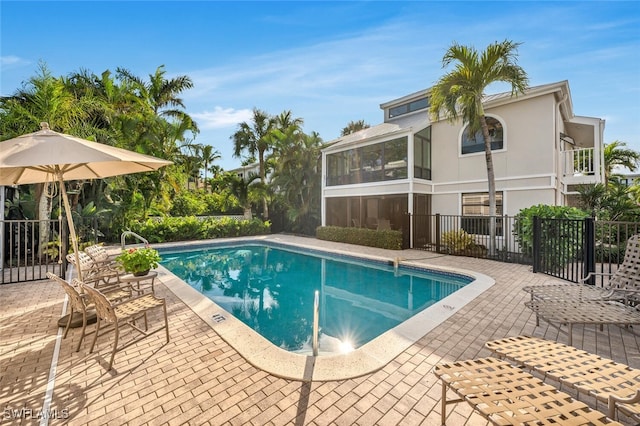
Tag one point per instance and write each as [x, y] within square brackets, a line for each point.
[208, 155]
[256, 139]
[459, 93]
[354, 126]
[615, 154]
[161, 94]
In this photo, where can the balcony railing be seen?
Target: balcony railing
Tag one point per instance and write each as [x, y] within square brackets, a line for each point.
[580, 166]
[579, 162]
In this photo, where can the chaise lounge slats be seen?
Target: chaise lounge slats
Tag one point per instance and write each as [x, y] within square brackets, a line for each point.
[613, 383]
[506, 395]
[572, 312]
[624, 283]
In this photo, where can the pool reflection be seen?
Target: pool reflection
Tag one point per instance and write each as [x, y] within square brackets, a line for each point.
[272, 289]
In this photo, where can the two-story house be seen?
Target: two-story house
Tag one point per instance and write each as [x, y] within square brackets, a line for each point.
[411, 164]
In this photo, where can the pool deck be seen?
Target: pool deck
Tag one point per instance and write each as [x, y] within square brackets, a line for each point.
[197, 378]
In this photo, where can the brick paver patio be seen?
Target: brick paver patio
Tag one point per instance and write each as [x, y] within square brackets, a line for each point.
[199, 379]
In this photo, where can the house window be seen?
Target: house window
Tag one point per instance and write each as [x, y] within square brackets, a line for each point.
[422, 154]
[409, 107]
[475, 212]
[395, 159]
[475, 143]
[370, 163]
[338, 169]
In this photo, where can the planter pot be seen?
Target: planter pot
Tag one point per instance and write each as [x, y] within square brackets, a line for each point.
[140, 273]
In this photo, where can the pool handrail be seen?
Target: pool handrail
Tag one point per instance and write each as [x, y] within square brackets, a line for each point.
[316, 315]
[124, 235]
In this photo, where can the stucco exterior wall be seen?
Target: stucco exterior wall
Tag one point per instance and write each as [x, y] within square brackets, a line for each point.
[530, 134]
[518, 200]
[445, 204]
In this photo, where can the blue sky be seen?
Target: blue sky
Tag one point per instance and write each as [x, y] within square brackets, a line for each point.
[327, 62]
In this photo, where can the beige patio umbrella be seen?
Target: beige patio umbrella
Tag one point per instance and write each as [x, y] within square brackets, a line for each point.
[48, 156]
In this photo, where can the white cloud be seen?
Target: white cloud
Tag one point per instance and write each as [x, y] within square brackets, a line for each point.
[221, 117]
[11, 61]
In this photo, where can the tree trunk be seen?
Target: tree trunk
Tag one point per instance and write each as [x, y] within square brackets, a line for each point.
[44, 214]
[491, 180]
[265, 206]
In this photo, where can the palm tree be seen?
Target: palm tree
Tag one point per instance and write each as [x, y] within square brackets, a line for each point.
[459, 93]
[256, 138]
[43, 98]
[297, 177]
[354, 126]
[208, 155]
[239, 188]
[160, 94]
[615, 154]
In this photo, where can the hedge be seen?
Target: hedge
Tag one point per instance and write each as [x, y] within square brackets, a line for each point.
[170, 229]
[386, 238]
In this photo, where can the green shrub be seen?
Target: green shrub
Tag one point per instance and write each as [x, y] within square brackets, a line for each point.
[386, 238]
[187, 203]
[169, 229]
[200, 203]
[568, 231]
[458, 241]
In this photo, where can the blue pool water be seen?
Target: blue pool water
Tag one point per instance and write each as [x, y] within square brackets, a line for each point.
[271, 289]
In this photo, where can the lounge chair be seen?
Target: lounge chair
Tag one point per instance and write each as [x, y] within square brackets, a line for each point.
[596, 312]
[94, 273]
[101, 256]
[507, 395]
[78, 302]
[624, 283]
[615, 384]
[125, 313]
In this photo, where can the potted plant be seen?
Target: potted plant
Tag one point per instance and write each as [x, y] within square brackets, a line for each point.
[138, 261]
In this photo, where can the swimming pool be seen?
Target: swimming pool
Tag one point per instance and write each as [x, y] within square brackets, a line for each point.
[270, 288]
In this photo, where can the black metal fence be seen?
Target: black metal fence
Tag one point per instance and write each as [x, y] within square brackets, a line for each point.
[31, 248]
[564, 248]
[469, 236]
[576, 249]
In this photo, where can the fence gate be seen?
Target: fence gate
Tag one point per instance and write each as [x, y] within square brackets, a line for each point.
[564, 248]
[31, 248]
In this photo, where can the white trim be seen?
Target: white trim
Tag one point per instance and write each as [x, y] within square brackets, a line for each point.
[502, 179]
[359, 143]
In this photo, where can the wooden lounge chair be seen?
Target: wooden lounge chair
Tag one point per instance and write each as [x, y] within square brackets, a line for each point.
[615, 384]
[596, 312]
[507, 395]
[624, 283]
[125, 313]
[78, 302]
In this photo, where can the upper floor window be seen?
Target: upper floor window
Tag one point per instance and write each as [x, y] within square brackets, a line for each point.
[422, 154]
[409, 107]
[475, 143]
[371, 163]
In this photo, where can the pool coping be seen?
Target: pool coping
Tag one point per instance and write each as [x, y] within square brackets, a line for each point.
[370, 357]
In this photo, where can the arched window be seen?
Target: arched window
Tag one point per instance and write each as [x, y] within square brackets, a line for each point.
[470, 144]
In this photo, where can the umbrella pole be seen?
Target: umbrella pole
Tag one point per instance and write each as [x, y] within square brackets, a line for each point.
[72, 229]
